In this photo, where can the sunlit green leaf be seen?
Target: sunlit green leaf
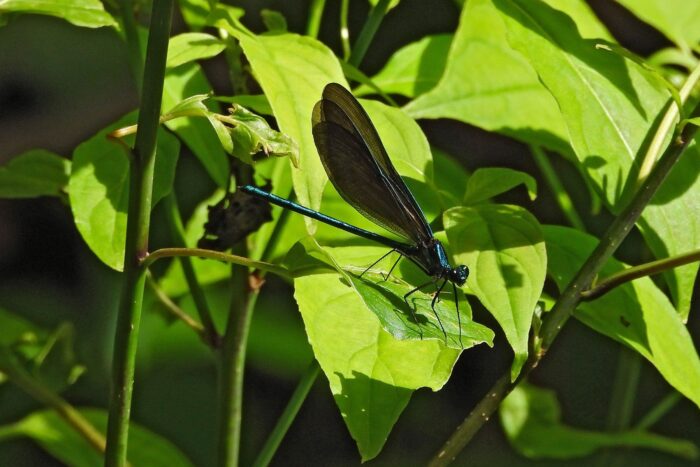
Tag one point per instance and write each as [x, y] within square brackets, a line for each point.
[61, 440]
[371, 373]
[99, 189]
[636, 314]
[531, 419]
[181, 83]
[191, 46]
[413, 69]
[488, 182]
[34, 173]
[488, 84]
[292, 71]
[504, 249]
[679, 20]
[85, 13]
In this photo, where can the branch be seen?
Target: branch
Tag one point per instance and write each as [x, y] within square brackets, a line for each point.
[569, 299]
[218, 255]
[630, 274]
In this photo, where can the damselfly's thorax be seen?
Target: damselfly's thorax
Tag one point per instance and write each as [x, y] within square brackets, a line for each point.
[431, 257]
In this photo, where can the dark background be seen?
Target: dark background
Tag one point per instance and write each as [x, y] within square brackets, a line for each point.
[60, 84]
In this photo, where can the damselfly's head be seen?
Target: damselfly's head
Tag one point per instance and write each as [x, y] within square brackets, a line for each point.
[458, 275]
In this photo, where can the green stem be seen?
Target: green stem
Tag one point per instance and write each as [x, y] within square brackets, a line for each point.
[138, 223]
[568, 300]
[177, 231]
[315, 15]
[133, 42]
[232, 369]
[666, 127]
[66, 411]
[646, 269]
[287, 417]
[624, 389]
[344, 31]
[659, 410]
[560, 194]
[376, 15]
[175, 310]
[218, 255]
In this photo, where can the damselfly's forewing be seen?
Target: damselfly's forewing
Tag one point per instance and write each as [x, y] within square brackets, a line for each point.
[360, 169]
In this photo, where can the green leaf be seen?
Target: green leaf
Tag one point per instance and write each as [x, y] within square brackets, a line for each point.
[292, 71]
[673, 56]
[608, 103]
[449, 178]
[181, 83]
[678, 20]
[414, 69]
[85, 13]
[29, 351]
[371, 374]
[60, 440]
[488, 84]
[257, 103]
[173, 282]
[252, 134]
[195, 13]
[486, 183]
[274, 20]
[670, 225]
[34, 173]
[504, 248]
[531, 419]
[99, 189]
[191, 46]
[637, 314]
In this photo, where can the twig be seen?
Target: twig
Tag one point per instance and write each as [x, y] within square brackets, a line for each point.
[374, 19]
[218, 255]
[175, 310]
[290, 412]
[647, 269]
[177, 231]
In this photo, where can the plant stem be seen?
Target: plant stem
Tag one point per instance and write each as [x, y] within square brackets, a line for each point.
[175, 310]
[659, 410]
[66, 411]
[630, 274]
[315, 15]
[133, 43]
[290, 412]
[138, 223]
[569, 298]
[177, 231]
[624, 388]
[218, 255]
[232, 368]
[344, 31]
[560, 194]
[376, 15]
[666, 126]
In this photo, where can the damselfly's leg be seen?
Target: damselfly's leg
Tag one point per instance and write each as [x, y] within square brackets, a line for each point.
[413, 312]
[375, 263]
[432, 307]
[395, 263]
[459, 319]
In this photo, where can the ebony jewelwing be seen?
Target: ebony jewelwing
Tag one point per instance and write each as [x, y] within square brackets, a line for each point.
[359, 168]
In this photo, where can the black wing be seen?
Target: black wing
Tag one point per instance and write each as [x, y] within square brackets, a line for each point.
[360, 169]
